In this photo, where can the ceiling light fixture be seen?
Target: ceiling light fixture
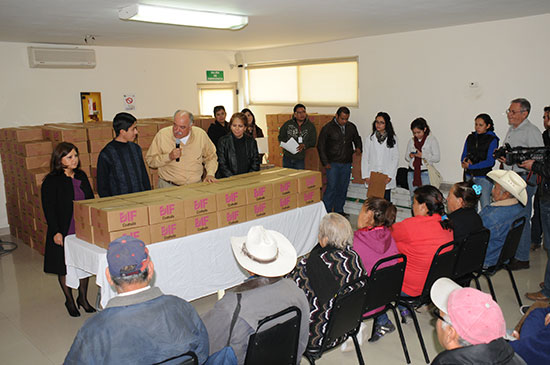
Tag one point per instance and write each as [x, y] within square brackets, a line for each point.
[191, 18]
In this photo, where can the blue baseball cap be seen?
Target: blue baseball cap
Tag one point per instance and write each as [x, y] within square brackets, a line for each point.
[127, 256]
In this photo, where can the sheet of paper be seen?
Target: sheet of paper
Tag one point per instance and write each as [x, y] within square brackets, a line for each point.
[291, 146]
[262, 145]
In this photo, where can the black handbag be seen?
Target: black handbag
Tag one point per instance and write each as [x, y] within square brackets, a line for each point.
[401, 178]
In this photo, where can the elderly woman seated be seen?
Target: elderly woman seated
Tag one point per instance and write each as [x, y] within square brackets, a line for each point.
[330, 265]
[267, 255]
[508, 192]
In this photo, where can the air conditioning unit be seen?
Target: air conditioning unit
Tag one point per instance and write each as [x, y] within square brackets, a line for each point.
[43, 57]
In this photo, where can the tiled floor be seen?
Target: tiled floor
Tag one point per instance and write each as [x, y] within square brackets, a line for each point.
[36, 329]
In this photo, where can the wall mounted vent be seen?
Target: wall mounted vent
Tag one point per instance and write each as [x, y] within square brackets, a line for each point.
[42, 57]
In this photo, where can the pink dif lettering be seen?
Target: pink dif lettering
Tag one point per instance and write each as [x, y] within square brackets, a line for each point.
[200, 222]
[134, 234]
[168, 230]
[167, 209]
[284, 201]
[259, 192]
[284, 187]
[128, 216]
[308, 196]
[200, 204]
[229, 198]
[310, 181]
[232, 216]
[260, 208]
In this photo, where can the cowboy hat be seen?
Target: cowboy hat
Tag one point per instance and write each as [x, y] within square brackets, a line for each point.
[511, 182]
[264, 252]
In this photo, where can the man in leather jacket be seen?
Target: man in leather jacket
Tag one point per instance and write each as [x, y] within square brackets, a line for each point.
[337, 142]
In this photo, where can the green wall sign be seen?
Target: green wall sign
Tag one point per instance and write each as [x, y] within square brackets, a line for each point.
[214, 75]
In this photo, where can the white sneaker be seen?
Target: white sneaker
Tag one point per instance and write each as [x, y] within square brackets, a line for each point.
[348, 345]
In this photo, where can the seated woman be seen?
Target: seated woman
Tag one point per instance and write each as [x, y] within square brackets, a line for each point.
[322, 272]
[420, 236]
[267, 255]
[373, 241]
[462, 203]
[237, 151]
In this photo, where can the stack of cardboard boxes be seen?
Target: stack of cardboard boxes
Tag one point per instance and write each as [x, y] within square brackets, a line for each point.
[164, 214]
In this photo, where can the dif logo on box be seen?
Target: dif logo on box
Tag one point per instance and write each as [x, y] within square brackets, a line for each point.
[127, 219]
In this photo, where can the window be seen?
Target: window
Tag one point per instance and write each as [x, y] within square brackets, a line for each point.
[211, 95]
[321, 82]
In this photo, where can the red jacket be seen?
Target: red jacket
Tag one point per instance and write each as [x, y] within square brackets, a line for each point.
[418, 238]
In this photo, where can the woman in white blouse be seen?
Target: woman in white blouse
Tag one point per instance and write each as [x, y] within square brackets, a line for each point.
[421, 148]
[380, 152]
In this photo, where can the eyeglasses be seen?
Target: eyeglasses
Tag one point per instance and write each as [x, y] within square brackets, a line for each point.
[436, 312]
[514, 112]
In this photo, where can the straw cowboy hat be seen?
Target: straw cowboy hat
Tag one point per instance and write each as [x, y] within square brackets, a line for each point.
[511, 182]
[264, 252]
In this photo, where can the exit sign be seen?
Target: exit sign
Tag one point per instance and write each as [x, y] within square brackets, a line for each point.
[214, 75]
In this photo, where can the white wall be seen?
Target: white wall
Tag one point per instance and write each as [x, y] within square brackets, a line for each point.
[162, 80]
[426, 73]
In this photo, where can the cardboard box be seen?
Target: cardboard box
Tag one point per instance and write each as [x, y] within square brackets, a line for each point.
[195, 202]
[36, 176]
[99, 132]
[201, 223]
[309, 197]
[82, 209]
[228, 195]
[85, 159]
[284, 203]
[97, 145]
[258, 191]
[103, 237]
[167, 230]
[161, 208]
[84, 231]
[33, 162]
[93, 159]
[64, 134]
[228, 217]
[259, 209]
[283, 186]
[24, 134]
[34, 148]
[308, 180]
[147, 129]
[145, 141]
[114, 218]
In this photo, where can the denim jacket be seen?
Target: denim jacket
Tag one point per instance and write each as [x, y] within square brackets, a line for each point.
[498, 218]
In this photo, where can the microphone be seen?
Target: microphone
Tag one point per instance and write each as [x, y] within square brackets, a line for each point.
[178, 146]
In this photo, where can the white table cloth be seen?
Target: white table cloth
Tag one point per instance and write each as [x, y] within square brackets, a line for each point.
[201, 264]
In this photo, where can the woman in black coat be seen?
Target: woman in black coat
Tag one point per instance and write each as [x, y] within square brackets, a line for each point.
[64, 184]
[237, 151]
[461, 204]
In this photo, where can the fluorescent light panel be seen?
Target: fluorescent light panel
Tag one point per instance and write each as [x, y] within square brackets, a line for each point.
[192, 18]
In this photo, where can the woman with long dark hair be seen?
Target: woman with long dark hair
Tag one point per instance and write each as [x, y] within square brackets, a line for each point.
[64, 184]
[422, 149]
[237, 151]
[252, 130]
[381, 153]
[477, 156]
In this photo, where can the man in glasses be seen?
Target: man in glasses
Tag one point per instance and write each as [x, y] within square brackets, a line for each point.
[522, 133]
[470, 327]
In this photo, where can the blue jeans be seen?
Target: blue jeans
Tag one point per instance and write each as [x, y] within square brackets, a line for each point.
[522, 253]
[410, 177]
[294, 163]
[486, 188]
[338, 178]
[545, 222]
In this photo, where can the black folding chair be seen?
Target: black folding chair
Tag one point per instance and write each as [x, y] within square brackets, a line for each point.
[508, 252]
[470, 257]
[187, 358]
[442, 265]
[344, 320]
[275, 343]
[384, 289]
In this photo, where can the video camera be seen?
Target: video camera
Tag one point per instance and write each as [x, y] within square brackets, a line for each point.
[515, 155]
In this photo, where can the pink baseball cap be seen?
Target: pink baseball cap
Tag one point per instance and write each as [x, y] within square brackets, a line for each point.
[475, 316]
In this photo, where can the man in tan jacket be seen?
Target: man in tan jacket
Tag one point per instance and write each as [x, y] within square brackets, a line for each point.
[179, 152]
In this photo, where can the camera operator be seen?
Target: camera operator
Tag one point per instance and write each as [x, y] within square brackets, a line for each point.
[525, 134]
[543, 170]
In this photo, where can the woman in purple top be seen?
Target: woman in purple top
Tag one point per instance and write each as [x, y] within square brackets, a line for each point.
[373, 241]
[64, 184]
